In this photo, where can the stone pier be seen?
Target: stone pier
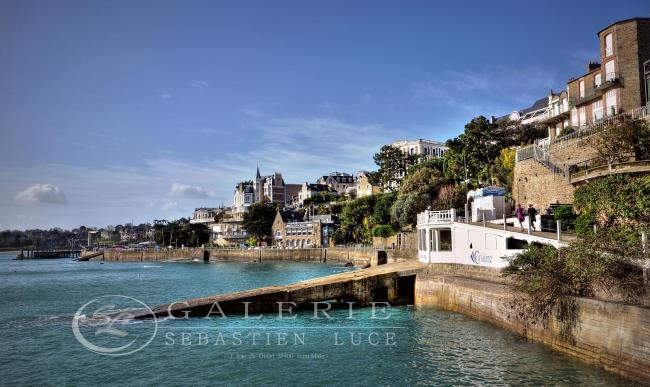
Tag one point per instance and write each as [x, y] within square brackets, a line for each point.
[393, 283]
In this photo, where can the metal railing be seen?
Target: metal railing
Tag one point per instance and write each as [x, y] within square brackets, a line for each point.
[587, 130]
[542, 156]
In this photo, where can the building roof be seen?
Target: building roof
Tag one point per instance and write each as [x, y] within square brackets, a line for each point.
[319, 187]
[624, 21]
[541, 103]
[289, 216]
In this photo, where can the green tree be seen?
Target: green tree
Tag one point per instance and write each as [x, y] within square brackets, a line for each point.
[258, 220]
[355, 225]
[475, 149]
[393, 165]
[622, 141]
[381, 212]
[502, 171]
[383, 230]
[416, 194]
[615, 199]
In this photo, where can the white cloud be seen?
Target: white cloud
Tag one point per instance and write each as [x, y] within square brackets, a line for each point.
[165, 95]
[41, 193]
[190, 191]
[200, 84]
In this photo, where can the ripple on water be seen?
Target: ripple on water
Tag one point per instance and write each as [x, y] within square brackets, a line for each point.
[432, 347]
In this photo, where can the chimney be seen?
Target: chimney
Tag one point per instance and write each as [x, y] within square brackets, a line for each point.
[593, 66]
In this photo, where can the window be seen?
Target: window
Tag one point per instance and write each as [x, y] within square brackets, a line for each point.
[597, 110]
[444, 239]
[598, 80]
[609, 45]
[432, 240]
[610, 102]
[582, 116]
[610, 71]
[574, 117]
[582, 89]
[516, 244]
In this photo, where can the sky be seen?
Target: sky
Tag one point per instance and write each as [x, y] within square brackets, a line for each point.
[129, 111]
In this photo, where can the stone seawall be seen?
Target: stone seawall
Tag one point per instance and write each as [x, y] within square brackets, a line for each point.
[359, 257]
[611, 335]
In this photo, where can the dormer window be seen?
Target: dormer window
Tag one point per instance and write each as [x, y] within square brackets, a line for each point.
[609, 45]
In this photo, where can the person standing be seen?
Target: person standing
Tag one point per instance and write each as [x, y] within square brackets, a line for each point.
[519, 214]
[532, 212]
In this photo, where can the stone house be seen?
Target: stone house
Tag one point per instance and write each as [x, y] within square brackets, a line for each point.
[289, 231]
[616, 87]
[338, 181]
[364, 187]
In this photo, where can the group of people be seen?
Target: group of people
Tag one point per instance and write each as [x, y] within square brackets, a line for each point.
[521, 214]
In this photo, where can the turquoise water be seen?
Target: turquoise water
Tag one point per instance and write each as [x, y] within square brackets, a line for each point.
[410, 347]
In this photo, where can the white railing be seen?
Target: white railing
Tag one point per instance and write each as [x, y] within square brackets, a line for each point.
[437, 217]
[587, 130]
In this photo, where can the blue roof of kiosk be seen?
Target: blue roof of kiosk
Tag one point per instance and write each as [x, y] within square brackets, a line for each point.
[488, 191]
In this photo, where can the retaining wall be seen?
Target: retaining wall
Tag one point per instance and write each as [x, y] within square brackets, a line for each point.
[359, 257]
[611, 335]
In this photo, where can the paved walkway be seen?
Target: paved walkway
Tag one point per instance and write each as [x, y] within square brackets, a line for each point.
[565, 237]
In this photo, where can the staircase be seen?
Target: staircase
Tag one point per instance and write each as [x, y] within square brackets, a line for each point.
[541, 155]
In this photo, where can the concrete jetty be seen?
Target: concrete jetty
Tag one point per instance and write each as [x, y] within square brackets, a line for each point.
[393, 283]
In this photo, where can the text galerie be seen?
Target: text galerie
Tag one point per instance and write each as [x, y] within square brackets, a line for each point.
[285, 310]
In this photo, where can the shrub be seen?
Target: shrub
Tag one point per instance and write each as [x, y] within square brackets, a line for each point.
[566, 216]
[383, 230]
[584, 224]
[551, 279]
[567, 130]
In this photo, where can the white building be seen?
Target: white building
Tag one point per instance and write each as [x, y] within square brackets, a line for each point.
[205, 215]
[536, 113]
[243, 197]
[442, 239]
[428, 149]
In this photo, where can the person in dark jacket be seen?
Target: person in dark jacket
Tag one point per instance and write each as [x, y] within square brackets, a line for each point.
[532, 212]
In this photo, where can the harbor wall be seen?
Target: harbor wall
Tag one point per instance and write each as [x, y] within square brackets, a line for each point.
[610, 335]
[357, 256]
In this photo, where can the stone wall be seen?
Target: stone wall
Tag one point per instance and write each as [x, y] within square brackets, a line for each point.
[610, 335]
[359, 257]
[148, 256]
[535, 184]
[577, 151]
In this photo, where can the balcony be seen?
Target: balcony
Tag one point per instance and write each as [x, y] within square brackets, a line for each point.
[436, 217]
[611, 79]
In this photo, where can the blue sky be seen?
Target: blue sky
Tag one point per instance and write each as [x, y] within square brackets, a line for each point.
[121, 111]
